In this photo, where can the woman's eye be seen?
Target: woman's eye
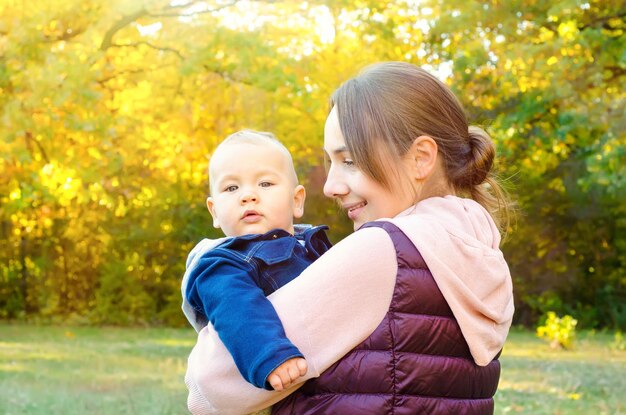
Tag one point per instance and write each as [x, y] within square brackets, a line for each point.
[265, 184]
[231, 188]
[348, 162]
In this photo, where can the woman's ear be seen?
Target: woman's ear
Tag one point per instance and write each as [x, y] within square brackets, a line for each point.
[422, 157]
[299, 194]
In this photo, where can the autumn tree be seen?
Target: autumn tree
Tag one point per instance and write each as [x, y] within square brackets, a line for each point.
[110, 110]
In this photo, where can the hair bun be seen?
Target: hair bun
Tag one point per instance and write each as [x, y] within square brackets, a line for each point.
[482, 154]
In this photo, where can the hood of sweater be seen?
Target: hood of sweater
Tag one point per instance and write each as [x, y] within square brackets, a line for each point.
[459, 242]
[204, 246]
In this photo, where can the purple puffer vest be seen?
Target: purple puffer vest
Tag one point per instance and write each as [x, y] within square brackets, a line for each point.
[415, 362]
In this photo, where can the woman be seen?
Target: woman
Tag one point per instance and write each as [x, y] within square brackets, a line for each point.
[409, 313]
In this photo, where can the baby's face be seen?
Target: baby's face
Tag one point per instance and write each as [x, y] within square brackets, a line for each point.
[253, 189]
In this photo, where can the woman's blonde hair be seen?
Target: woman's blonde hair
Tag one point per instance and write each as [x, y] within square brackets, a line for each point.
[389, 104]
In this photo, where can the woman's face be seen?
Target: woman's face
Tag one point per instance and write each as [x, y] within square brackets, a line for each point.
[359, 195]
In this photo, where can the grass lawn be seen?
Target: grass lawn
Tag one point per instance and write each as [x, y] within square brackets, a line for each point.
[590, 379]
[92, 371]
[70, 371]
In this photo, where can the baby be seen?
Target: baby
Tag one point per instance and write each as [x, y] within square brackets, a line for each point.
[255, 196]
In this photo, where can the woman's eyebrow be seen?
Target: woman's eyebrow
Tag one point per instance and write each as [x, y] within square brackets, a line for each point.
[339, 150]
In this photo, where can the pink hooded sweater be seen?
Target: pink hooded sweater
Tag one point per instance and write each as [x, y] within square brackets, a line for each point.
[341, 299]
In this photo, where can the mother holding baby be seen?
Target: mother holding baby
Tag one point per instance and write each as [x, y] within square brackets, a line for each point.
[408, 314]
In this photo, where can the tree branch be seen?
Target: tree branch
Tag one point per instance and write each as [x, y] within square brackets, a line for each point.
[66, 35]
[29, 139]
[103, 81]
[107, 41]
[224, 6]
[603, 21]
[225, 76]
[616, 71]
[163, 49]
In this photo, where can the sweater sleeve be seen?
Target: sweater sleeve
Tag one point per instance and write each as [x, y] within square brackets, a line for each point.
[330, 308]
[224, 288]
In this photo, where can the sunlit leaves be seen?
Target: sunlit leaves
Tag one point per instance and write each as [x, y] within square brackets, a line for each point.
[550, 90]
[110, 110]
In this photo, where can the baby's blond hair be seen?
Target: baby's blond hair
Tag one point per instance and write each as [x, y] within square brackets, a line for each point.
[257, 138]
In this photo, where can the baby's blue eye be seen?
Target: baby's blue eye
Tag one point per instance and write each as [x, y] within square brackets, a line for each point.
[265, 184]
[231, 188]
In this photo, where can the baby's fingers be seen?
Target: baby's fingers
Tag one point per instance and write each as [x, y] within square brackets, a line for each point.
[284, 375]
[293, 372]
[302, 366]
[275, 381]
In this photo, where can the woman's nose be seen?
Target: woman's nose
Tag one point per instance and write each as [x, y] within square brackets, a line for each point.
[335, 186]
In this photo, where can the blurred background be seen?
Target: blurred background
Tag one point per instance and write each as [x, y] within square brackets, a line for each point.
[110, 109]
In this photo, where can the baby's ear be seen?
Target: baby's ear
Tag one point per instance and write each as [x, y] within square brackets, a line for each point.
[299, 194]
[211, 206]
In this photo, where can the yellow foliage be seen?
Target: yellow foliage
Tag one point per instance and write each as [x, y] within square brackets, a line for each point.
[545, 35]
[560, 331]
[557, 184]
[15, 194]
[568, 30]
[103, 119]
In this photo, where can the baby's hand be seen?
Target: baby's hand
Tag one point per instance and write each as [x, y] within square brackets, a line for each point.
[284, 375]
